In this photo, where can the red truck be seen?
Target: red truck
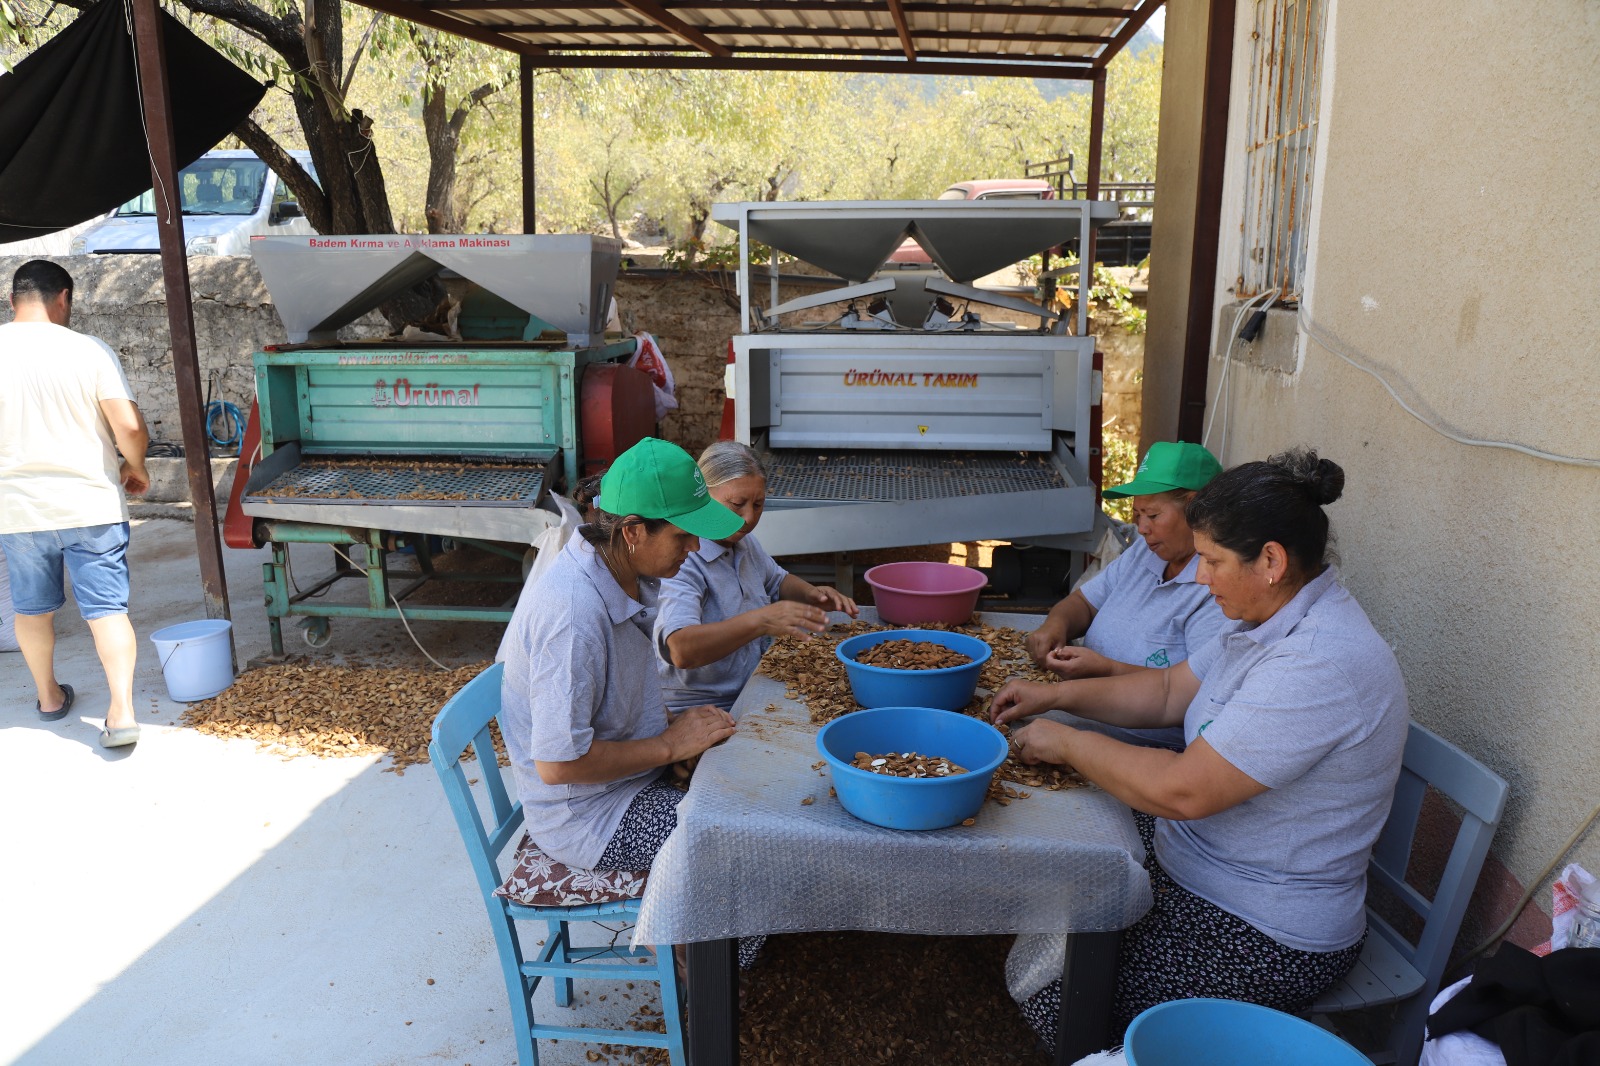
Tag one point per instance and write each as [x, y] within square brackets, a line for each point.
[910, 256]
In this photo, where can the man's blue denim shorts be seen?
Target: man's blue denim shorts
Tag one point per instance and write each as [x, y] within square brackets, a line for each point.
[95, 557]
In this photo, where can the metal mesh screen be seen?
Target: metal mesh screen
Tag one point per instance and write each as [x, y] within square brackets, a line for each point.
[886, 477]
[408, 482]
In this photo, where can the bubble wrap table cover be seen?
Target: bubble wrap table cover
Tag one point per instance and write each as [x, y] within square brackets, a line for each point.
[750, 856]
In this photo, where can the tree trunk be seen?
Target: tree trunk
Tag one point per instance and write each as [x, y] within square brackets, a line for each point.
[698, 217]
[612, 208]
[439, 206]
[442, 128]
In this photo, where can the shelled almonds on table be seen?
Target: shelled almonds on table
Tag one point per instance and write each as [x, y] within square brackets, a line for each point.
[912, 655]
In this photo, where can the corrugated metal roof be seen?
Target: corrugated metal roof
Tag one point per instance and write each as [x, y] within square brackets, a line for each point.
[1027, 38]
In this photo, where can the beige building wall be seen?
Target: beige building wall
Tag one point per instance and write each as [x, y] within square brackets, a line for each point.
[1172, 237]
[1455, 249]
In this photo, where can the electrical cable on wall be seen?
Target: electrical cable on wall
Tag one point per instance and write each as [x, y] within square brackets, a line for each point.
[1221, 400]
[1332, 344]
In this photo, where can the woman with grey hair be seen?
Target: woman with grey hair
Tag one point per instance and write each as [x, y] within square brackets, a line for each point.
[730, 598]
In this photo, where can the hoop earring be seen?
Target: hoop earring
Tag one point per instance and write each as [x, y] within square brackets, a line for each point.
[630, 546]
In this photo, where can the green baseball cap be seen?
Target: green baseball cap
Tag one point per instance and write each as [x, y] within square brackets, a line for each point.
[1168, 466]
[658, 479]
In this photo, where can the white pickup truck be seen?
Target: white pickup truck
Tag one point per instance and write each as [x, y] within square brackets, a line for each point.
[227, 196]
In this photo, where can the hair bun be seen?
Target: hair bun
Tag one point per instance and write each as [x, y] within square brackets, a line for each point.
[1322, 480]
[1327, 481]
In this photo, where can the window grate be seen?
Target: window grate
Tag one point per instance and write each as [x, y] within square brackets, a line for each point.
[1281, 147]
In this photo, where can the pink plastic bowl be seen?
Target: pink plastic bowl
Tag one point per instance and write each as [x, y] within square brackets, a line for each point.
[915, 593]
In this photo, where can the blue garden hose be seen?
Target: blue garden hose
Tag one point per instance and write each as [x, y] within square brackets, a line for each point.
[226, 413]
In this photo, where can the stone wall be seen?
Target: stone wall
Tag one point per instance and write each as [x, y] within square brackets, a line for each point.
[1123, 412]
[120, 299]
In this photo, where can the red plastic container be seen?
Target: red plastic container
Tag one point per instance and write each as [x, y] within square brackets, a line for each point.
[914, 593]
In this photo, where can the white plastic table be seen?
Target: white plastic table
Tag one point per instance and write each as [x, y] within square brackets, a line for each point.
[750, 856]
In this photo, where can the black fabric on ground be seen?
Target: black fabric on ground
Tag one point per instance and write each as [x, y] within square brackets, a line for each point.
[72, 141]
[1540, 1011]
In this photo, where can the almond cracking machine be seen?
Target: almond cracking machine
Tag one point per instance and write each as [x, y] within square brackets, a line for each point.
[385, 449]
[904, 420]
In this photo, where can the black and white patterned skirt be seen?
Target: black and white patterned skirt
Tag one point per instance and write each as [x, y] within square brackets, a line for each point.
[1188, 947]
[650, 819]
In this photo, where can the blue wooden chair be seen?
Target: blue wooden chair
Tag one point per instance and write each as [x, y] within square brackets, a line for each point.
[465, 720]
[1391, 969]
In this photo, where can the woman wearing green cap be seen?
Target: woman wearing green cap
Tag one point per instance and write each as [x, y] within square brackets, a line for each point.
[584, 721]
[1145, 610]
[1259, 831]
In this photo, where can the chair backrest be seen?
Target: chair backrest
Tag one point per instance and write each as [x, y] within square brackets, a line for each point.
[1481, 793]
[465, 720]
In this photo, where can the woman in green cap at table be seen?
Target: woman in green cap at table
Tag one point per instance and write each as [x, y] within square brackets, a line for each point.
[583, 717]
[1145, 610]
[1259, 831]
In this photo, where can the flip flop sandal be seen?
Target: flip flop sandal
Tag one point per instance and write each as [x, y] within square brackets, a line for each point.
[119, 738]
[61, 712]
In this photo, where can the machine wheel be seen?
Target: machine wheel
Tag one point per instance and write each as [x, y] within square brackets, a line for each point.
[317, 631]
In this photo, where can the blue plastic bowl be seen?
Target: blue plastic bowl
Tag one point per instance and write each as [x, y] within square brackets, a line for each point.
[1222, 1032]
[912, 802]
[878, 686]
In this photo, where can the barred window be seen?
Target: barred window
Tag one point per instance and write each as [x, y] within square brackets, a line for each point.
[1281, 146]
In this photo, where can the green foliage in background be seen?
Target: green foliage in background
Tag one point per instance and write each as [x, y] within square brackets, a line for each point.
[644, 154]
[1119, 459]
[1108, 296]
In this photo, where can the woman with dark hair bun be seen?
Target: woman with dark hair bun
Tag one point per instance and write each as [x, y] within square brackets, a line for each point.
[1259, 832]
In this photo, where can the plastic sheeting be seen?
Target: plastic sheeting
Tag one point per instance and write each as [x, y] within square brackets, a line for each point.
[1458, 1049]
[72, 140]
[749, 856]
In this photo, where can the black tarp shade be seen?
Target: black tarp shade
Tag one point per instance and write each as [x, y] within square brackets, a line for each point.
[72, 138]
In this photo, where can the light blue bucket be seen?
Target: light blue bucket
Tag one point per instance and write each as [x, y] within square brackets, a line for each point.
[196, 658]
[1219, 1032]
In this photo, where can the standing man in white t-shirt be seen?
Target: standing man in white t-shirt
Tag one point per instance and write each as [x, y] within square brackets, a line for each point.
[65, 413]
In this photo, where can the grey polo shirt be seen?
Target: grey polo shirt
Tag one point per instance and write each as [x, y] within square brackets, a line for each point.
[1144, 619]
[1311, 704]
[715, 584]
[580, 667]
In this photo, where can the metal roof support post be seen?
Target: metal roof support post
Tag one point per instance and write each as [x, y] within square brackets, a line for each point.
[1207, 220]
[156, 102]
[529, 172]
[743, 278]
[1097, 138]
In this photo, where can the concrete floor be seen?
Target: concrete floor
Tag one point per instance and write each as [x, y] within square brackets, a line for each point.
[194, 901]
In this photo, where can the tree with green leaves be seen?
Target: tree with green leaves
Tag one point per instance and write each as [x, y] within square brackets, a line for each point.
[457, 79]
[1133, 110]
